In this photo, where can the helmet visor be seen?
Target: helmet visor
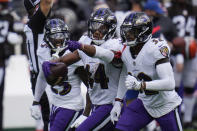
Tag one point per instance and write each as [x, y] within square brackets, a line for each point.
[58, 39]
[98, 30]
[130, 34]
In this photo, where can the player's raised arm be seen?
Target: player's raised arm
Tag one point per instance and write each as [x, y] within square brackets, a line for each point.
[45, 6]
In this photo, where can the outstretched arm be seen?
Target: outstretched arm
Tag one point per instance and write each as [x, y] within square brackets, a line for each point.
[92, 51]
[45, 6]
[69, 58]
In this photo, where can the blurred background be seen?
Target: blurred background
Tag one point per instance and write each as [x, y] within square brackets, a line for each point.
[172, 20]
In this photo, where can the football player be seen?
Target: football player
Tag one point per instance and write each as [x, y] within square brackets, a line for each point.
[65, 96]
[103, 77]
[184, 18]
[148, 71]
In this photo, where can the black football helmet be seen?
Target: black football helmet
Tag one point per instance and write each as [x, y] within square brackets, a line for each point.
[136, 28]
[56, 34]
[104, 22]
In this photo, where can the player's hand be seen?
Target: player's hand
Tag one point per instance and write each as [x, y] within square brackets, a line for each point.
[78, 121]
[46, 67]
[36, 111]
[115, 112]
[132, 83]
[74, 45]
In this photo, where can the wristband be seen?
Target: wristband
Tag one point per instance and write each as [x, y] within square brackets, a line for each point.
[118, 99]
[143, 86]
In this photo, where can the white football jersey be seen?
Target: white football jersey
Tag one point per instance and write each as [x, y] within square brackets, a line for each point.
[104, 88]
[143, 68]
[69, 97]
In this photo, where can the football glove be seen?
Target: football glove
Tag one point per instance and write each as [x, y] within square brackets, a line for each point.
[132, 83]
[78, 121]
[73, 45]
[36, 111]
[115, 112]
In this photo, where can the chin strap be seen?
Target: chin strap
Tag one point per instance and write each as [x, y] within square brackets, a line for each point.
[57, 51]
[131, 43]
[98, 42]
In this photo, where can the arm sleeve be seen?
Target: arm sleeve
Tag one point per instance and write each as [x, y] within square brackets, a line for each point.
[180, 59]
[104, 54]
[40, 86]
[166, 80]
[37, 21]
[121, 86]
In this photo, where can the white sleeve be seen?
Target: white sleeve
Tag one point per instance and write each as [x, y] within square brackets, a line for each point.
[166, 80]
[179, 59]
[40, 86]
[104, 54]
[121, 86]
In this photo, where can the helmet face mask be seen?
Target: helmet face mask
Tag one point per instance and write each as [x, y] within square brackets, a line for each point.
[136, 28]
[56, 34]
[101, 25]
[98, 27]
[58, 40]
[98, 32]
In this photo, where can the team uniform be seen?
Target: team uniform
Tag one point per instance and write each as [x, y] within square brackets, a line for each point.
[158, 105]
[34, 37]
[148, 70]
[67, 102]
[103, 83]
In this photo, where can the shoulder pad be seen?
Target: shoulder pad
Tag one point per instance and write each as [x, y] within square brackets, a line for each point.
[113, 44]
[160, 48]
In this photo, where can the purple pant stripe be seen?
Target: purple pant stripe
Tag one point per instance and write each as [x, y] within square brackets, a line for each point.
[61, 118]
